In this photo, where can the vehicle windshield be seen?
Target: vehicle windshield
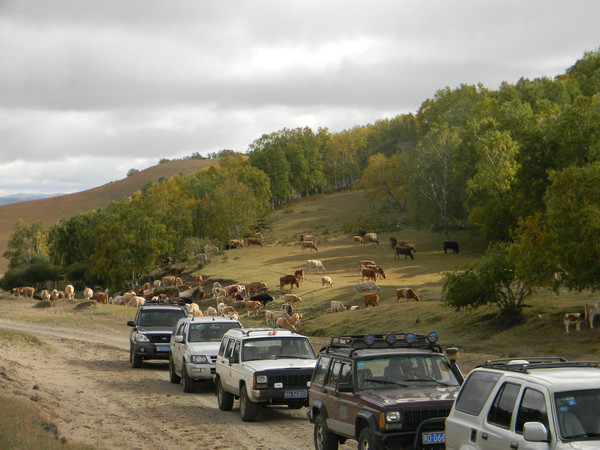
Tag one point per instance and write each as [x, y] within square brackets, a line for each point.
[405, 370]
[210, 332]
[160, 317]
[578, 413]
[277, 348]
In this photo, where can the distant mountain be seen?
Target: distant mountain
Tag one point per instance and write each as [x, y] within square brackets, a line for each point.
[51, 210]
[17, 198]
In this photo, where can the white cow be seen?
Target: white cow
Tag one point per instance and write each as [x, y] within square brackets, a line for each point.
[315, 265]
[365, 286]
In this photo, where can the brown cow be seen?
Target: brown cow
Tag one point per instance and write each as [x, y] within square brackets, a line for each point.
[282, 322]
[575, 318]
[370, 274]
[27, 291]
[254, 241]
[252, 306]
[377, 268]
[371, 299]
[309, 245]
[288, 279]
[198, 279]
[256, 287]
[100, 297]
[299, 274]
[292, 298]
[236, 243]
[183, 287]
[168, 280]
[406, 293]
[358, 239]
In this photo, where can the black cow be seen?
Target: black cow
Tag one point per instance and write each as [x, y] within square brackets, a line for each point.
[406, 251]
[451, 245]
[263, 298]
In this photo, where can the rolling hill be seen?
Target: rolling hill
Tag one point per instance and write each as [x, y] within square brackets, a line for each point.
[50, 210]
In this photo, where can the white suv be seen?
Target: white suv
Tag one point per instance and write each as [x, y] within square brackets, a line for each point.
[263, 366]
[194, 345]
[536, 403]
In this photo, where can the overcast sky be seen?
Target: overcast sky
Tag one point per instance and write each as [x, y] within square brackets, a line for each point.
[91, 89]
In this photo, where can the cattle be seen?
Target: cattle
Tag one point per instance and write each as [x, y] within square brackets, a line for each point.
[233, 289]
[354, 308]
[309, 245]
[379, 269]
[136, 301]
[101, 297]
[239, 297]
[263, 298]
[369, 274]
[256, 287]
[183, 287]
[292, 298]
[236, 243]
[69, 292]
[27, 291]
[282, 322]
[358, 239]
[252, 306]
[203, 258]
[269, 316]
[592, 310]
[168, 280]
[210, 311]
[127, 296]
[315, 265]
[362, 233]
[573, 318]
[366, 286]
[307, 237]
[406, 293]
[54, 295]
[406, 251]
[287, 308]
[299, 274]
[210, 248]
[219, 292]
[450, 245]
[277, 314]
[326, 281]
[296, 318]
[254, 241]
[216, 284]
[337, 306]
[16, 292]
[45, 295]
[157, 284]
[198, 279]
[194, 309]
[364, 263]
[87, 293]
[371, 237]
[371, 299]
[288, 279]
[258, 235]
[227, 310]
[393, 241]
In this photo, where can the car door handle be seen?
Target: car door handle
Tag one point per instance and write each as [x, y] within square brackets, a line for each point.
[514, 444]
[484, 436]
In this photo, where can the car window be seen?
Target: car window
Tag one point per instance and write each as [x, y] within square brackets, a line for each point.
[235, 353]
[346, 374]
[230, 346]
[531, 409]
[504, 404]
[180, 328]
[334, 374]
[160, 318]
[578, 412]
[210, 332]
[276, 348]
[475, 391]
[321, 370]
[223, 346]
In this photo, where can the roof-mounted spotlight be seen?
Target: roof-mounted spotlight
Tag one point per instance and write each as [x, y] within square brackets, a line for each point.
[432, 337]
[390, 339]
[410, 338]
[369, 339]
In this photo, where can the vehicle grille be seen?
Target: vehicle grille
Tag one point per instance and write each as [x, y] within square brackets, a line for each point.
[213, 359]
[415, 417]
[159, 338]
[290, 380]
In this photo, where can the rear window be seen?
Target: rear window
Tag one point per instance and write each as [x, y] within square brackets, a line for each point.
[210, 332]
[475, 391]
[160, 317]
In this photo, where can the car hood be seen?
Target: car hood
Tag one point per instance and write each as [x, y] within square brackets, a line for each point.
[584, 445]
[286, 363]
[155, 329]
[204, 348]
[418, 393]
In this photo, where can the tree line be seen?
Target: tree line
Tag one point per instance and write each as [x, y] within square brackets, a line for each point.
[517, 164]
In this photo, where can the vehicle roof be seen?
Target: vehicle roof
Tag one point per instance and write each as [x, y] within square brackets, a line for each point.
[368, 353]
[209, 319]
[244, 333]
[162, 306]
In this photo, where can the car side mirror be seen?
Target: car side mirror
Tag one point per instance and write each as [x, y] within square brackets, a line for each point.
[344, 387]
[535, 432]
[179, 339]
[131, 323]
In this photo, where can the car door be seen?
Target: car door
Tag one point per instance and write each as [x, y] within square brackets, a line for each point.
[533, 407]
[340, 418]
[230, 375]
[177, 348]
[496, 431]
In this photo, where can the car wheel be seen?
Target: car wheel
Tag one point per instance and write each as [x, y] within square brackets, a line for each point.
[366, 440]
[134, 360]
[248, 409]
[324, 440]
[224, 398]
[189, 384]
[173, 377]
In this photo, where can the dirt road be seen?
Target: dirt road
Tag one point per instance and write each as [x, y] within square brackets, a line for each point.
[82, 380]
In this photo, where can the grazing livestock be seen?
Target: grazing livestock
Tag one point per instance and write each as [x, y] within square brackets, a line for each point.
[358, 239]
[228, 310]
[366, 286]
[198, 279]
[203, 258]
[256, 287]
[307, 237]
[210, 248]
[16, 292]
[136, 301]
[274, 315]
[168, 280]
[102, 297]
[220, 307]
[315, 265]
[370, 274]
[406, 293]
[326, 281]
[252, 306]
[219, 292]
[263, 298]
[309, 245]
[127, 296]
[157, 284]
[27, 291]
[450, 245]
[194, 309]
[69, 292]
[258, 235]
[239, 297]
[299, 274]
[406, 251]
[296, 318]
[365, 263]
[393, 241]
[287, 308]
[573, 318]
[233, 289]
[377, 268]
[354, 308]
[282, 322]
[288, 279]
[292, 298]
[45, 295]
[269, 317]
[371, 237]
[362, 232]
[183, 288]
[337, 306]
[87, 293]
[210, 311]
[254, 241]
[371, 299]
[592, 310]
[236, 243]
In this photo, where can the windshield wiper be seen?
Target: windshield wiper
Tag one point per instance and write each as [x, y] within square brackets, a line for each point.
[429, 379]
[396, 383]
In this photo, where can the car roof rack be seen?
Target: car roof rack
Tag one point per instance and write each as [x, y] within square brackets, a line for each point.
[353, 342]
[524, 365]
[166, 301]
[274, 331]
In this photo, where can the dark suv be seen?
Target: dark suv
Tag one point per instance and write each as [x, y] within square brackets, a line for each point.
[385, 391]
[152, 328]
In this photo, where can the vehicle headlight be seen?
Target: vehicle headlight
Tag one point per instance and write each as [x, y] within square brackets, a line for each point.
[141, 338]
[393, 417]
[260, 381]
[200, 359]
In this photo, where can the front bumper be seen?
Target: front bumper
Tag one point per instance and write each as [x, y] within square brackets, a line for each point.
[278, 396]
[150, 350]
[200, 371]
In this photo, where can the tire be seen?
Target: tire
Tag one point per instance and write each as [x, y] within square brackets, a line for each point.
[224, 398]
[366, 440]
[173, 377]
[248, 409]
[323, 439]
[189, 384]
[134, 360]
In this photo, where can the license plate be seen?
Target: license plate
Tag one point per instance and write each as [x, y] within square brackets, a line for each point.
[296, 394]
[162, 348]
[434, 438]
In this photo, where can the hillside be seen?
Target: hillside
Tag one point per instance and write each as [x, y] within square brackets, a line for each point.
[50, 210]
